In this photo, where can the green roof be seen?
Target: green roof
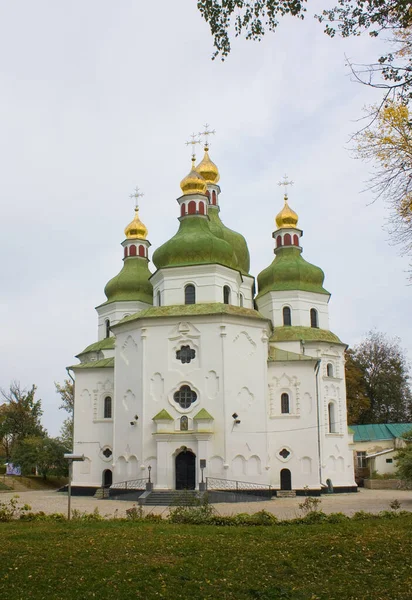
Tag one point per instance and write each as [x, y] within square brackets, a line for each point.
[104, 344]
[278, 355]
[189, 310]
[132, 283]
[163, 415]
[308, 334]
[105, 363]
[289, 271]
[379, 431]
[203, 414]
[236, 240]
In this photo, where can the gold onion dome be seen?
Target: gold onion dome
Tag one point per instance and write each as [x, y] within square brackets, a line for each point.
[207, 169]
[287, 217]
[194, 182]
[136, 229]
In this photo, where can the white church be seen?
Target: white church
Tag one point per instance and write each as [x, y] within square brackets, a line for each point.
[195, 375]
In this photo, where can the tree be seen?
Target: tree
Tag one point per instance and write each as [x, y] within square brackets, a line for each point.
[384, 381]
[66, 392]
[19, 416]
[42, 453]
[404, 458]
[356, 398]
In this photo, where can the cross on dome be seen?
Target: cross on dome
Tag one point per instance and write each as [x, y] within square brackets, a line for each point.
[285, 183]
[136, 195]
[193, 143]
[205, 134]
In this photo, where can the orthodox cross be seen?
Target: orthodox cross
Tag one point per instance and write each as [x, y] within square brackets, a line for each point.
[136, 195]
[194, 140]
[285, 182]
[206, 134]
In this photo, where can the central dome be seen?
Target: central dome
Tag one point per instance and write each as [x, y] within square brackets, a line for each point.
[236, 240]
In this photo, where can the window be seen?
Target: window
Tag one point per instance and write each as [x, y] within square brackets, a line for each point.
[284, 453]
[389, 460]
[185, 354]
[184, 423]
[332, 417]
[284, 403]
[107, 453]
[226, 294]
[190, 294]
[132, 250]
[185, 396]
[314, 317]
[240, 299]
[287, 316]
[361, 460]
[107, 407]
[287, 240]
[329, 370]
[107, 326]
[159, 300]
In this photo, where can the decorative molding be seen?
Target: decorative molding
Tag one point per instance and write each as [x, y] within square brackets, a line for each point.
[244, 345]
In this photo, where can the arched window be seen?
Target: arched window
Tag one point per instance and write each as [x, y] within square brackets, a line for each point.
[287, 316]
[240, 299]
[314, 317]
[141, 250]
[185, 396]
[107, 326]
[107, 408]
[132, 250]
[278, 241]
[332, 417]
[329, 370]
[159, 299]
[295, 240]
[208, 195]
[287, 240]
[190, 294]
[201, 208]
[284, 404]
[184, 423]
[183, 210]
[226, 294]
[214, 197]
[191, 208]
[125, 252]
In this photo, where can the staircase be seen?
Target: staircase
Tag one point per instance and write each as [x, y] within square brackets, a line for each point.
[286, 494]
[172, 497]
[102, 493]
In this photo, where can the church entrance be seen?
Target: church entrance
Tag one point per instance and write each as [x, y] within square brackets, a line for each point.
[285, 479]
[107, 477]
[185, 470]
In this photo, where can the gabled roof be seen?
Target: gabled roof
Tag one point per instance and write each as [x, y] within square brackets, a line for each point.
[278, 355]
[379, 431]
[307, 334]
[105, 363]
[104, 344]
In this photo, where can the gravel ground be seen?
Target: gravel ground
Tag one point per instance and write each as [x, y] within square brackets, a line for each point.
[284, 508]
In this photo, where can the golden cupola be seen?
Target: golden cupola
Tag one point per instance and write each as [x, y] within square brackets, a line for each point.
[287, 217]
[136, 229]
[207, 169]
[193, 183]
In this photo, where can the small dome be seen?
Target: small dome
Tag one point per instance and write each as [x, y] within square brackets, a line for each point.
[287, 217]
[207, 169]
[136, 229]
[132, 283]
[193, 183]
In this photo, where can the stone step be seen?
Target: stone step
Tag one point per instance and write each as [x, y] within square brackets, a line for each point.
[168, 497]
[286, 494]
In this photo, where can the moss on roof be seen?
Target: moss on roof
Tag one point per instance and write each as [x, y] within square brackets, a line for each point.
[278, 355]
[132, 283]
[189, 310]
[308, 334]
[163, 415]
[203, 414]
[105, 363]
[104, 344]
[235, 239]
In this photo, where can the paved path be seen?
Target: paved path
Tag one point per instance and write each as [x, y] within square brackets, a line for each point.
[284, 508]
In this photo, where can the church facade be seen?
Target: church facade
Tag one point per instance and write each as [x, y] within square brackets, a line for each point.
[193, 369]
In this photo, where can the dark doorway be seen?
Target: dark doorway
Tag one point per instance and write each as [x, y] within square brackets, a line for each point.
[185, 470]
[107, 477]
[285, 479]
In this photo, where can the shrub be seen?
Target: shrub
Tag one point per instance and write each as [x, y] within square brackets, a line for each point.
[338, 517]
[10, 509]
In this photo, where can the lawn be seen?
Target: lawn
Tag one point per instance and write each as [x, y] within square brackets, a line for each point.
[369, 559]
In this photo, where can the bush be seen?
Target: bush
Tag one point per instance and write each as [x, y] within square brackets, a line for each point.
[10, 509]
[338, 517]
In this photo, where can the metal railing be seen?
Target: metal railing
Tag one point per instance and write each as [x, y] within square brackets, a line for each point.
[131, 484]
[214, 484]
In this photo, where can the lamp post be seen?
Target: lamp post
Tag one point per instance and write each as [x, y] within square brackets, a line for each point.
[202, 485]
[71, 458]
[149, 484]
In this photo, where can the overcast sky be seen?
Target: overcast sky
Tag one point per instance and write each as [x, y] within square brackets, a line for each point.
[97, 97]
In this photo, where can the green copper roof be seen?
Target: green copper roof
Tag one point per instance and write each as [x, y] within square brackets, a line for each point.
[105, 363]
[163, 415]
[379, 431]
[289, 271]
[203, 415]
[104, 344]
[132, 283]
[278, 355]
[189, 310]
[308, 334]
[194, 244]
[236, 240]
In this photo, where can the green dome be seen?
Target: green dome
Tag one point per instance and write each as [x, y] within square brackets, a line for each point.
[289, 271]
[236, 240]
[132, 283]
[194, 244]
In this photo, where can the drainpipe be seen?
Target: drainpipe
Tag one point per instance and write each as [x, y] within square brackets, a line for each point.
[74, 383]
[317, 367]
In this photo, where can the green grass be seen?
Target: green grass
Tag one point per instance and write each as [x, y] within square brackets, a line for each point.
[4, 487]
[115, 559]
